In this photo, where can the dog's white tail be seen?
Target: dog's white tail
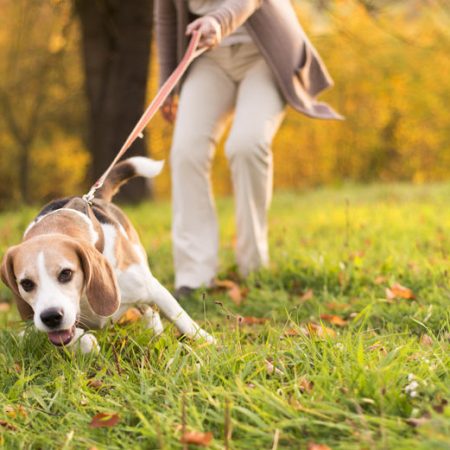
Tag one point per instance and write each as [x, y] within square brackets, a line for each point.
[137, 166]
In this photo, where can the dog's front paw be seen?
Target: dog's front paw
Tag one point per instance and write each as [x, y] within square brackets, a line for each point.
[85, 342]
[202, 334]
[88, 343]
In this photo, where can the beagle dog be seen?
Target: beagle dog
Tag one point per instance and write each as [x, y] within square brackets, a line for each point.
[81, 266]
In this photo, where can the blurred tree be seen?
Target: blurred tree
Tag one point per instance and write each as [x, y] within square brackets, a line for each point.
[37, 89]
[116, 43]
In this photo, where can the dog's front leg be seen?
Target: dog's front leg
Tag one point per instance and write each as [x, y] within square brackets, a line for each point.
[172, 310]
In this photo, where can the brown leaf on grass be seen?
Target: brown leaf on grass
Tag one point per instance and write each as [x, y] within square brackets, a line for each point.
[234, 291]
[426, 340]
[334, 320]
[399, 291]
[305, 385]
[7, 425]
[380, 279]
[292, 332]
[17, 367]
[104, 420]
[251, 320]
[271, 369]
[377, 346]
[440, 407]
[196, 438]
[131, 315]
[15, 411]
[4, 307]
[314, 446]
[93, 383]
[336, 306]
[418, 422]
[307, 295]
[321, 331]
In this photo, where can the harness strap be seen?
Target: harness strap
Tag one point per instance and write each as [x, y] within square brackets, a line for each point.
[192, 52]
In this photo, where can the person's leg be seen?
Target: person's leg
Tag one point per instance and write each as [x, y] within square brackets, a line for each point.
[206, 99]
[259, 113]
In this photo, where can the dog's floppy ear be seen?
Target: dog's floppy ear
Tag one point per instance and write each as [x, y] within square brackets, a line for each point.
[8, 277]
[102, 291]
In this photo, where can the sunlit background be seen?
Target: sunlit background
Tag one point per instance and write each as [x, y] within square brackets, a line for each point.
[389, 60]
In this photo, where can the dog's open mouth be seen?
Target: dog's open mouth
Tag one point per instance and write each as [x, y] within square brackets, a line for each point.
[61, 337]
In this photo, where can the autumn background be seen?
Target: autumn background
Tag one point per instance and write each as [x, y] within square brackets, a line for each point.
[343, 342]
[389, 60]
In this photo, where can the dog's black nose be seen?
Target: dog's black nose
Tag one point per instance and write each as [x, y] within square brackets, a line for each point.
[52, 317]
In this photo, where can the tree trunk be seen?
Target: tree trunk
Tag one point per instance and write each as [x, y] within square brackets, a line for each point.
[116, 43]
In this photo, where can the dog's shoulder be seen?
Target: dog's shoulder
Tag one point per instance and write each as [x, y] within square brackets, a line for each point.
[110, 214]
[53, 206]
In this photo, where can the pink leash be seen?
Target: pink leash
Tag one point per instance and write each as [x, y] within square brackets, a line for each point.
[191, 53]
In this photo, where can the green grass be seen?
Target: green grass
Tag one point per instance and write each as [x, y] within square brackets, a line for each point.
[335, 242]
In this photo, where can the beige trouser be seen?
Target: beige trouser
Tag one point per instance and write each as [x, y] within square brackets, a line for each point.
[228, 78]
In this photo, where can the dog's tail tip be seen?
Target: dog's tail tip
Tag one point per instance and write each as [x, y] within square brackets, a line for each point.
[136, 166]
[146, 167]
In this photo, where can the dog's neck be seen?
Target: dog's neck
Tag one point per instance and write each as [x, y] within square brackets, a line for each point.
[72, 222]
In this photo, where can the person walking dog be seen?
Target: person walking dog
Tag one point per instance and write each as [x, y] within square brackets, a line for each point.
[258, 60]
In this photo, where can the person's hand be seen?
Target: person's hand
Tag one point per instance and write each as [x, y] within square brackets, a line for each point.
[210, 32]
[169, 108]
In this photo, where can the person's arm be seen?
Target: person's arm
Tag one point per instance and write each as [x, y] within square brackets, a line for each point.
[166, 37]
[233, 13]
[223, 21]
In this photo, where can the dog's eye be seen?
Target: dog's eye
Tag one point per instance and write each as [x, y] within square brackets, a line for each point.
[27, 285]
[65, 276]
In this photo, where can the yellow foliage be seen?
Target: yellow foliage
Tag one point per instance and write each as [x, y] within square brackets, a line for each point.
[58, 167]
[391, 84]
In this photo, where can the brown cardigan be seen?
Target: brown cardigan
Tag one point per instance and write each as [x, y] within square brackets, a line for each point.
[273, 25]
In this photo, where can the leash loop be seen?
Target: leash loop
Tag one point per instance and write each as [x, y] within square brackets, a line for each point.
[192, 52]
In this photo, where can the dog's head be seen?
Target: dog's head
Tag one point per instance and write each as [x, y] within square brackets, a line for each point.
[48, 276]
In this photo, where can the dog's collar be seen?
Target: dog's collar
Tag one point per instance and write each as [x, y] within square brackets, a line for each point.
[81, 205]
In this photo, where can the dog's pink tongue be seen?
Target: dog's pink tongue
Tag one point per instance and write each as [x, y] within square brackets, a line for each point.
[60, 337]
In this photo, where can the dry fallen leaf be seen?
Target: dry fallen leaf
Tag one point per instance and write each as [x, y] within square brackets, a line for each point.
[307, 295]
[334, 320]
[440, 407]
[312, 329]
[305, 385]
[418, 422]
[380, 279]
[7, 425]
[399, 291]
[5, 307]
[251, 320]
[196, 438]
[314, 446]
[95, 384]
[15, 411]
[426, 340]
[235, 292]
[131, 315]
[336, 306]
[377, 346]
[9, 411]
[271, 369]
[104, 420]
[292, 332]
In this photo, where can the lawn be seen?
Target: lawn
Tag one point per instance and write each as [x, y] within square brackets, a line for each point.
[356, 361]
